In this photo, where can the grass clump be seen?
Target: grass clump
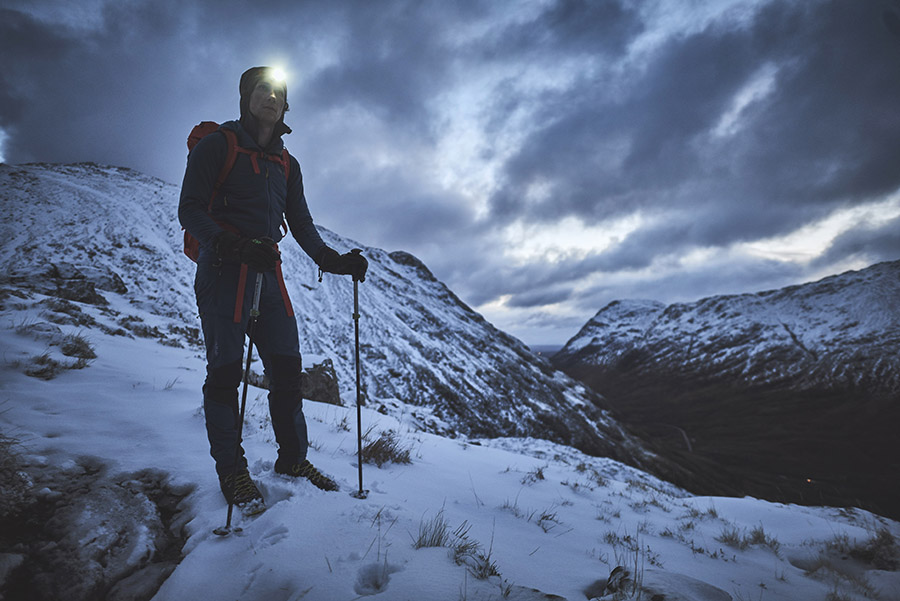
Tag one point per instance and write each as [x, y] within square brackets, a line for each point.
[387, 448]
[533, 476]
[733, 537]
[464, 550]
[75, 345]
[880, 551]
[44, 367]
[470, 553]
[433, 533]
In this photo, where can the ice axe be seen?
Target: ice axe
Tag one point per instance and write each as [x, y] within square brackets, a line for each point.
[254, 317]
[359, 494]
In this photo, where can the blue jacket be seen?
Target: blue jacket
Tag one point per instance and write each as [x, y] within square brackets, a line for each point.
[254, 204]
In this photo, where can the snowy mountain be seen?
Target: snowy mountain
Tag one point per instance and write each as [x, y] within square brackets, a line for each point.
[840, 332]
[89, 232]
[744, 378]
[108, 490]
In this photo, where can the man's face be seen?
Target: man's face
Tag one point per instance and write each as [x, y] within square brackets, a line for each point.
[267, 102]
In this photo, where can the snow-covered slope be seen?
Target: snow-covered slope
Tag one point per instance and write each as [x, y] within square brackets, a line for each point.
[91, 232]
[118, 499]
[111, 492]
[842, 331]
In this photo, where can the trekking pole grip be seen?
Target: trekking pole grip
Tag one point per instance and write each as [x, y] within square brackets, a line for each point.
[358, 253]
[257, 292]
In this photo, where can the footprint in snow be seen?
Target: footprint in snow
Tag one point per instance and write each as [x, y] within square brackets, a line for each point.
[374, 577]
[274, 536]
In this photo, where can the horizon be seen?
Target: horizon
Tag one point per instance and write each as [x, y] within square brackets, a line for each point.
[551, 346]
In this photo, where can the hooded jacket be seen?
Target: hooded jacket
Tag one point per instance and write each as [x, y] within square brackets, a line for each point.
[252, 204]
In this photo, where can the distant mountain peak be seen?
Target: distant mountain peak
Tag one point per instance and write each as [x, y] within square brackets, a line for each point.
[843, 329]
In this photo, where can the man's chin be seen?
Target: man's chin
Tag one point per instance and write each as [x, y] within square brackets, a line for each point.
[267, 117]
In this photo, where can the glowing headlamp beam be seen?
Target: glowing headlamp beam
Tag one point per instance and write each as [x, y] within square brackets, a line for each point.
[278, 74]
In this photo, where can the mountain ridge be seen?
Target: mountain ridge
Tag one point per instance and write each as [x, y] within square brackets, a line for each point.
[425, 354]
[810, 371]
[808, 324]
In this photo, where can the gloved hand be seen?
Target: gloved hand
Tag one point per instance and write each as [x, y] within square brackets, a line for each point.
[351, 263]
[259, 254]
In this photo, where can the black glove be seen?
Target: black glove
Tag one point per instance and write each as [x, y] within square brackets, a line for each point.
[259, 254]
[351, 263]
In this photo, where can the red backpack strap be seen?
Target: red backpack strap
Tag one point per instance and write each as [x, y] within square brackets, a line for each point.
[279, 275]
[239, 298]
[200, 131]
[253, 154]
[286, 163]
[230, 158]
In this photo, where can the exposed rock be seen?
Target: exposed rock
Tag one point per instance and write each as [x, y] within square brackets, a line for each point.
[85, 534]
[66, 281]
[319, 383]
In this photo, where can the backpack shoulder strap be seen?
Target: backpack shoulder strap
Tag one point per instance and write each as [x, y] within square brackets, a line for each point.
[230, 158]
[286, 163]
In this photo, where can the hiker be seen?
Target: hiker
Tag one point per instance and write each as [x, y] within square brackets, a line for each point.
[237, 224]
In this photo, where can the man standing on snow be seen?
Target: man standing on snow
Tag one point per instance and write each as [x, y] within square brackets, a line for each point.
[237, 224]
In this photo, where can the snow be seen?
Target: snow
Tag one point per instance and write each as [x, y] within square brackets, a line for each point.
[551, 518]
[541, 520]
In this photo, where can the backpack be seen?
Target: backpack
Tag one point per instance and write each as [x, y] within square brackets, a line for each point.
[200, 131]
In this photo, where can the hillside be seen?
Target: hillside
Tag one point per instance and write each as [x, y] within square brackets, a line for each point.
[809, 372]
[83, 231]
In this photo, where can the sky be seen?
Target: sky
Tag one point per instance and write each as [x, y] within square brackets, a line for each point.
[543, 158]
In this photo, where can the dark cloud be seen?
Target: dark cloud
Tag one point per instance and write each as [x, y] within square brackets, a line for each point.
[392, 205]
[565, 28]
[392, 60]
[539, 297]
[870, 243]
[18, 31]
[728, 275]
[824, 137]
[574, 122]
[104, 91]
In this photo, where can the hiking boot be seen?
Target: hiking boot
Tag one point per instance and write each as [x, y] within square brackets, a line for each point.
[239, 489]
[308, 471]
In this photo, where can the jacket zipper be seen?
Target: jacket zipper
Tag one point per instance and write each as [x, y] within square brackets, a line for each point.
[268, 202]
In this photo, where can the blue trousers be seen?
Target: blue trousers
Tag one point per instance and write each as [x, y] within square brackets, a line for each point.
[275, 340]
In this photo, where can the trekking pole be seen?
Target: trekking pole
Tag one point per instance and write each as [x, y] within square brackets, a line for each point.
[254, 316]
[360, 494]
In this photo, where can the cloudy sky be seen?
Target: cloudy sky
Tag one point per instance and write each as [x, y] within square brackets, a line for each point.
[542, 157]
